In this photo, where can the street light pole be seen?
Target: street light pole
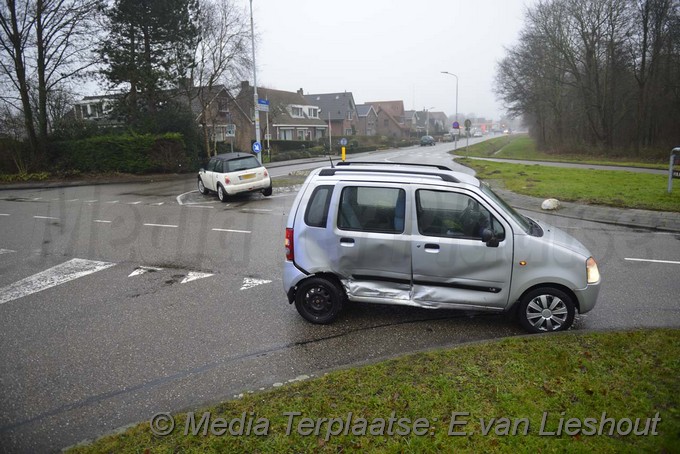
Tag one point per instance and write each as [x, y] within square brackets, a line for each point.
[427, 121]
[256, 112]
[455, 142]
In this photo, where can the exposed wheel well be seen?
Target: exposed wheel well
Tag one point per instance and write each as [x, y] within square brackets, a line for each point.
[329, 276]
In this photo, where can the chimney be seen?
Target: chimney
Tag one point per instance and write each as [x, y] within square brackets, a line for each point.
[301, 92]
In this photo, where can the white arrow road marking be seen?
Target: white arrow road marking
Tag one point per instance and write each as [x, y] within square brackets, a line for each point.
[249, 282]
[193, 275]
[144, 269]
[6, 251]
[57, 275]
[653, 261]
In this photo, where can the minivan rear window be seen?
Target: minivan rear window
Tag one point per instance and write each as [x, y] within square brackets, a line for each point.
[317, 207]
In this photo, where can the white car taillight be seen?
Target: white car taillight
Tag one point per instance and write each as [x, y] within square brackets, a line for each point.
[290, 253]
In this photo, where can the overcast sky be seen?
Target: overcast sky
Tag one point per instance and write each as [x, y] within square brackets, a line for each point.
[384, 50]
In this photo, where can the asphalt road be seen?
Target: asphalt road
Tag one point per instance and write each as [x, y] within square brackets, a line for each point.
[95, 342]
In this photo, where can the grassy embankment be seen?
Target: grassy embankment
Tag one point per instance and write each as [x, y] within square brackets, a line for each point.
[525, 379]
[600, 187]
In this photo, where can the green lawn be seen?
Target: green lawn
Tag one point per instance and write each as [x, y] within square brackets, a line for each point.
[600, 187]
[534, 382]
[523, 147]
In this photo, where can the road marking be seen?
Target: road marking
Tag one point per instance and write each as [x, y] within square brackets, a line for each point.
[198, 203]
[46, 217]
[4, 214]
[57, 275]
[193, 275]
[113, 201]
[101, 221]
[134, 203]
[71, 200]
[249, 282]
[264, 210]
[197, 206]
[158, 204]
[143, 270]
[653, 261]
[179, 197]
[36, 198]
[90, 201]
[6, 251]
[232, 231]
[161, 225]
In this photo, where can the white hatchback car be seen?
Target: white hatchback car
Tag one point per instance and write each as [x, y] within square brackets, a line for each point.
[232, 173]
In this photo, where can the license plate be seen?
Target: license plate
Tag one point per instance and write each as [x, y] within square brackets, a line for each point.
[247, 176]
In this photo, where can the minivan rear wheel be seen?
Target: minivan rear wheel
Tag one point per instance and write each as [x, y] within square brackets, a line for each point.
[546, 309]
[318, 300]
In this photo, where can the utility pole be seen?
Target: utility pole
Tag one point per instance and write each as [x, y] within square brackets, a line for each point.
[256, 111]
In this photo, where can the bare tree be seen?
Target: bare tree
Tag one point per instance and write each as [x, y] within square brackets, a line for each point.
[46, 44]
[222, 55]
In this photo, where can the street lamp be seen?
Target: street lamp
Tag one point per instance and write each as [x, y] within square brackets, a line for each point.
[427, 121]
[256, 112]
[455, 142]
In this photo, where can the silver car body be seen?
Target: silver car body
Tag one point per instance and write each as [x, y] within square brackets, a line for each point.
[412, 261]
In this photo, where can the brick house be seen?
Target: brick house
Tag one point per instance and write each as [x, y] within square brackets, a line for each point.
[368, 120]
[338, 109]
[390, 118]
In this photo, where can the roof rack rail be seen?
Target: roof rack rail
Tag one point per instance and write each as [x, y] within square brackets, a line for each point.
[346, 163]
[444, 176]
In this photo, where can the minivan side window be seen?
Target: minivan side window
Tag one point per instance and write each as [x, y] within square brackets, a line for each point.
[372, 209]
[317, 207]
[453, 215]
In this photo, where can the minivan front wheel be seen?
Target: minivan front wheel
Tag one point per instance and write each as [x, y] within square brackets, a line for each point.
[318, 300]
[546, 309]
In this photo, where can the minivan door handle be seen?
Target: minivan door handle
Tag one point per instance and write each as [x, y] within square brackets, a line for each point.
[347, 242]
[432, 248]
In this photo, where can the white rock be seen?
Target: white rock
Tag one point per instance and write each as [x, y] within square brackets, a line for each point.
[550, 204]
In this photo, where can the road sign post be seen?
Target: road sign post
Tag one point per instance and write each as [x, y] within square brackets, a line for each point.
[343, 142]
[673, 165]
[456, 133]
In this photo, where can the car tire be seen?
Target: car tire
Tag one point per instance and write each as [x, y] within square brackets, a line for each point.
[201, 187]
[546, 309]
[222, 194]
[268, 191]
[318, 300]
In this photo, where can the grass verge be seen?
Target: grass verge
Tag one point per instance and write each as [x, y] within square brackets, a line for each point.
[523, 147]
[534, 382]
[600, 187]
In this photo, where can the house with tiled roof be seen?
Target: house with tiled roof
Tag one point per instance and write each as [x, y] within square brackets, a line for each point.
[390, 118]
[338, 109]
[367, 120]
[291, 116]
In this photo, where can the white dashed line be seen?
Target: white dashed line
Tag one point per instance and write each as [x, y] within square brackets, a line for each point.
[6, 251]
[113, 201]
[161, 225]
[197, 206]
[134, 203]
[158, 204]
[101, 221]
[4, 214]
[36, 198]
[263, 210]
[653, 261]
[71, 200]
[46, 217]
[231, 231]
[91, 201]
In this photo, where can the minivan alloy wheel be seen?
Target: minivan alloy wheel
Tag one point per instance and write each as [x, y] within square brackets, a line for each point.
[545, 310]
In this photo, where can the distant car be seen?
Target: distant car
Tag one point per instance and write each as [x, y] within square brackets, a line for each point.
[232, 173]
[447, 137]
[477, 134]
[427, 140]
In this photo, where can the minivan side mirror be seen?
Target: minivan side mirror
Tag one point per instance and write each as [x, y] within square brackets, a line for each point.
[489, 238]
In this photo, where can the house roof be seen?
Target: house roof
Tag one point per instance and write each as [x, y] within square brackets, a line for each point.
[337, 104]
[364, 109]
[279, 102]
[395, 108]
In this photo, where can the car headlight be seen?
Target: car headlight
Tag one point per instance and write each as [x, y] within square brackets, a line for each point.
[592, 272]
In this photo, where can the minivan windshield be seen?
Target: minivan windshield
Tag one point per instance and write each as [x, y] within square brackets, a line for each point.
[519, 219]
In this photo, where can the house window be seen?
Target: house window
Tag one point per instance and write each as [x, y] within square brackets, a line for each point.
[296, 112]
[348, 131]
[285, 134]
[349, 114]
[313, 112]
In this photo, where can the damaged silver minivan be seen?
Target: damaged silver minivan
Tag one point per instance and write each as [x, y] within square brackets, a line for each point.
[426, 236]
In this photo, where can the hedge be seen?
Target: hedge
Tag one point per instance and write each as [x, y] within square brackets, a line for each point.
[142, 153]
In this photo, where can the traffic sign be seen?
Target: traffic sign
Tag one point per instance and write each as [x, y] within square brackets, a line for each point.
[257, 147]
[468, 123]
[230, 131]
[343, 141]
[263, 105]
[456, 125]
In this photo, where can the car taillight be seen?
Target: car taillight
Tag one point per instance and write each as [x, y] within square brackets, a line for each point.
[290, 253]
[266, 174]
[226, 180]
